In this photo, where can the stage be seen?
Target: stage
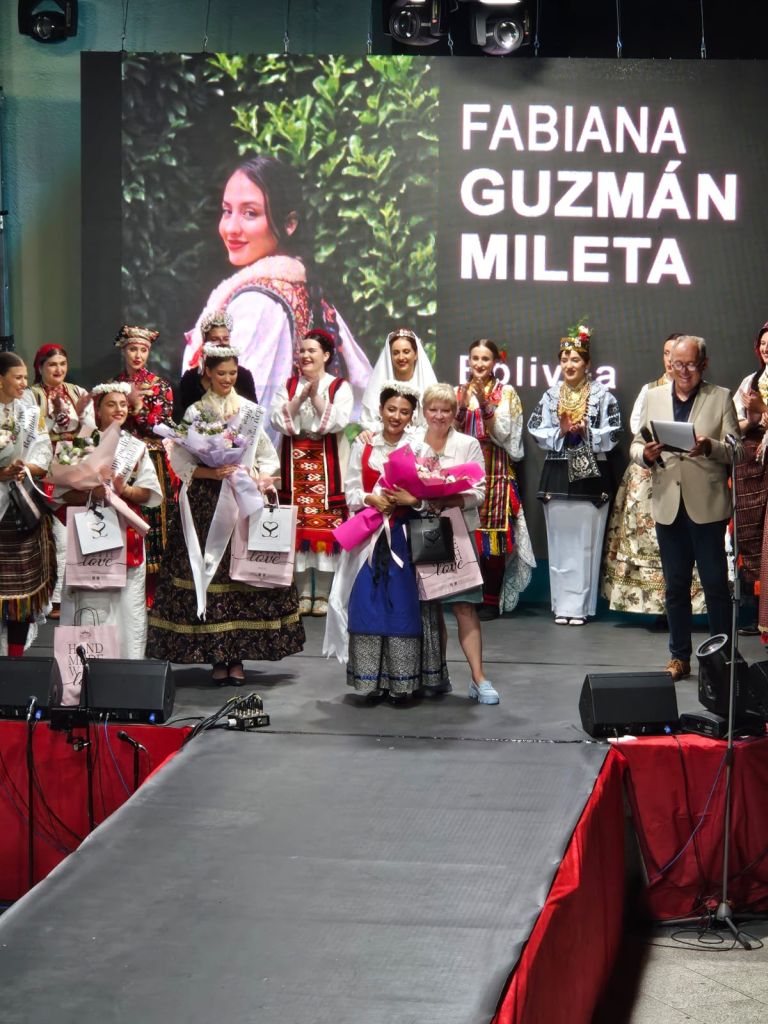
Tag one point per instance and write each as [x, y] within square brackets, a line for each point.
[366, 864]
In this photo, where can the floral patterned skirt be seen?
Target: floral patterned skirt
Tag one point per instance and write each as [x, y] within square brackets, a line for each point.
[633, 579]
[242, 622]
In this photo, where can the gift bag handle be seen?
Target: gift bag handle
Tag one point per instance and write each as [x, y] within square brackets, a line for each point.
[79, 614]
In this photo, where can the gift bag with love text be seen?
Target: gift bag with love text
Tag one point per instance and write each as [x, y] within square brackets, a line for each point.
[99, 570]
[259, 568]
[444, 579]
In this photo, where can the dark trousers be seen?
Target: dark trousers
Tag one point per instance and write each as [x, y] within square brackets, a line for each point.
[681, 544]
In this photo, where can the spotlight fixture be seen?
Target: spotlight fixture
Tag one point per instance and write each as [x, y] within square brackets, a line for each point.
[417, 22]
[499, 27]
[48, 21]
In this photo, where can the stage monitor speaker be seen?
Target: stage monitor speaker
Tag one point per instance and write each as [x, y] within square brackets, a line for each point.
[757, 689]
[129, 691]
[628, 703]
[22, 678]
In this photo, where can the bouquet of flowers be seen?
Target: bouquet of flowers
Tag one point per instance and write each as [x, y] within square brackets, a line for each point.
[9, 435]
[421, 477]
[211, 440]
[69, 453]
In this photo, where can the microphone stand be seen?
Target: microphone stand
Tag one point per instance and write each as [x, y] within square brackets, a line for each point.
[724, 912]
[137, 748]
[31, 722]
[87, 743]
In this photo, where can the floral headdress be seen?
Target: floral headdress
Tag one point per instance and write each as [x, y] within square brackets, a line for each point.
[218, 318]
[402, 387]
[127, 335]
[213, 351]
[577, 338]
[121, 386]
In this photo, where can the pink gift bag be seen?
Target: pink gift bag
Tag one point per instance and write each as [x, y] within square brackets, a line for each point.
[444, 579]
[98, 641]
[102, 570]
[259, 568]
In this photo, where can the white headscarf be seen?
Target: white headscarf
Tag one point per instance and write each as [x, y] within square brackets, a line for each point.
[423, 377]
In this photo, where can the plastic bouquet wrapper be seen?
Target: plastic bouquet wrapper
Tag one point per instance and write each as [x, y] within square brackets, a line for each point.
[211, 440]
[69, 453]
[421, 477]
[83, 467]
[8, 437]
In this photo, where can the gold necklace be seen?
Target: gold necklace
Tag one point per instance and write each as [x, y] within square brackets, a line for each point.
[574, 401]
[762, 385]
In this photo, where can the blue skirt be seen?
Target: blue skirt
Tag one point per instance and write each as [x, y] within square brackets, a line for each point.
[384, 599]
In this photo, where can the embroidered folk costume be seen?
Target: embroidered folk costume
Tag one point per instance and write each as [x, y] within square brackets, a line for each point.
[67, 411]
[313, 459]
[575, 510]
[503, 544]
[155, 405]
[28, 558]
[271, 309]
[125, 608]
[241, 621]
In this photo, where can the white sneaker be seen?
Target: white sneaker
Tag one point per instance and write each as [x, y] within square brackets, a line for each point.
[483, 693]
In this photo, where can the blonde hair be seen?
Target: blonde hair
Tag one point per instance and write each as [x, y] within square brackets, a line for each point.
[440, 393]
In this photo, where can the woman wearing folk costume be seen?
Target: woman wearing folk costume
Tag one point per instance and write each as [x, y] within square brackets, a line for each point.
[201, 615]
[390, 640]
[274, 297]
[216, 330]
[444, 447]
[27, 556]
[491, 412]
[139, 487]
[576, 423]
[67, 411]
[311, 411]
[751, 401]
[151, 403]
[402, 359]
[633, 580]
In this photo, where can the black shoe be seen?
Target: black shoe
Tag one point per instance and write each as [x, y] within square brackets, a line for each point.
[399, 700]
[749, 631]
[375, 696]
[430, 692]
[488, 612]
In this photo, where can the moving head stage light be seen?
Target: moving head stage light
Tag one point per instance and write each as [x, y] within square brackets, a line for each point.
[417, 22]
[499, 27]
[48, 21]
[750, 692]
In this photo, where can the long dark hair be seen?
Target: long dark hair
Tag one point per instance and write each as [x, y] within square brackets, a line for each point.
[283, 196]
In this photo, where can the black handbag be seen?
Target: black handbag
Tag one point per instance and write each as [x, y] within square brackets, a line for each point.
[26, 511]
[430, 540]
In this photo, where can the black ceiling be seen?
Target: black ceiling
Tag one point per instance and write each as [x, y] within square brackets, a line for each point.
[649, 28]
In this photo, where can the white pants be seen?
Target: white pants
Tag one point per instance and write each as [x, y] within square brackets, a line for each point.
[575, 531]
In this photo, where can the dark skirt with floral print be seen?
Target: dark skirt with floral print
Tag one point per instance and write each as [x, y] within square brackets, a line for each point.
[241, 622]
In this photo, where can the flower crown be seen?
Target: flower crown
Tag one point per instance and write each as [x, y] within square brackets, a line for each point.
[123, 387]
[402, 387]
[577, 336]
[213, 351]
[218, 318]
[128, 334]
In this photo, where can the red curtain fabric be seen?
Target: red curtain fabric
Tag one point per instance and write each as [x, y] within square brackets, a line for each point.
[60, 801]
[574, 943]
[676, 787]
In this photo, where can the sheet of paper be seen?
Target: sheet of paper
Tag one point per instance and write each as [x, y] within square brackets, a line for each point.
[679, 437]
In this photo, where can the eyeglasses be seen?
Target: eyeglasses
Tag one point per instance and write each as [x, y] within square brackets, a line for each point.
[677, 365]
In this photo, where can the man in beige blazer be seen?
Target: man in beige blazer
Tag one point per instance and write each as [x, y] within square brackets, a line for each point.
[691, 499]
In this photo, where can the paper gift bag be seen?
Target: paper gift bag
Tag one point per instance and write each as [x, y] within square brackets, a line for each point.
[272, 528]
[444, 579]
[98, 641]
[98, 529]
[259, 568]
[100, 570]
